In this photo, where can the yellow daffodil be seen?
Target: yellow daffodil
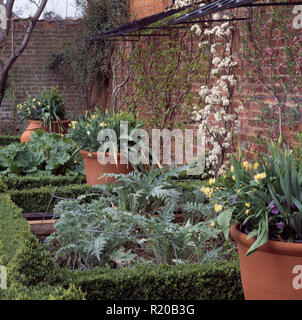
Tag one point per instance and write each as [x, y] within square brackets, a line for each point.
[232, 169]
[88, 132]
[102, 124]
[247, 211]
[211, 181]
[217, 207]
[238, 191]
[260, 176]
[233, 177]
[248, 205]
[212, 224]
[246, 165]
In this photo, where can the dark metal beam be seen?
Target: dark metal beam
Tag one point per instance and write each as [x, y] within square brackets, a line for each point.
[139, 24]
[214, 20]
[163, 28]
[272, 4]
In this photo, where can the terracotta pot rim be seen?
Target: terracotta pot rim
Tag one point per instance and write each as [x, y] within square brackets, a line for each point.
[62, 121]
[84, 153]
[272, 246]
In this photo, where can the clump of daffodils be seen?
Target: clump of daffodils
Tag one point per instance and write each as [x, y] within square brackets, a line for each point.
[259, 176]
[207, 191]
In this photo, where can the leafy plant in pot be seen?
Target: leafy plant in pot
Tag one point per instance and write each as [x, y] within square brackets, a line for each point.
[97, 159]
[263, 212]
[45, 112]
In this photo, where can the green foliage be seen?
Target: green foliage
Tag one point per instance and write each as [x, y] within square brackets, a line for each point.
[297, 147]
[138, 205]
[12, 229]
[271, 49]
[82, 63]
[38, 199]
[17, 291]
[47, 106]
[81, 245]
[3, 186]
[266, 197]
[5, 140]
[30, 182]
[32, 264]
[213, 281]
[85, 132]
[44, 154]
[33, 272]
[164, 73]
[72, 293]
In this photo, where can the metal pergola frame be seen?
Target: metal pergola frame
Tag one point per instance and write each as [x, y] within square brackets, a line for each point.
[128, 29]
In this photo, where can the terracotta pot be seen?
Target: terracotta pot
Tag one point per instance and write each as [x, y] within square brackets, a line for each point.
[36, 124]
[272, 272]
[94, 169]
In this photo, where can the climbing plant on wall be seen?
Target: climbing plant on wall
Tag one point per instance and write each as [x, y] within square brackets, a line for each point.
[272, 55]
[165, 72]
[87, 64]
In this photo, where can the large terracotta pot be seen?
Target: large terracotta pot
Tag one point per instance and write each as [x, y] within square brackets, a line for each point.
[33, 125]
[272, 272]
[94, 169]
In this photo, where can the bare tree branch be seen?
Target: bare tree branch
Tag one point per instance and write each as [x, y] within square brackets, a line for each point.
[5, 67]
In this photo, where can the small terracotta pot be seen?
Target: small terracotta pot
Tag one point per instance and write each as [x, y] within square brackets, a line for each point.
[272, 272]
[94, 169]
[33, 125]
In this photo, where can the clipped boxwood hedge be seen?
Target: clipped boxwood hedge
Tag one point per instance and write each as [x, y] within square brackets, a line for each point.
[29, 182]
[5, 140]
[37, 199]
[218, 280]
[28, 261]
[12, 228]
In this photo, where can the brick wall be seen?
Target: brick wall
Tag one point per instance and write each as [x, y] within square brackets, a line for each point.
[143, 8]
[30, 73]
[251, 126]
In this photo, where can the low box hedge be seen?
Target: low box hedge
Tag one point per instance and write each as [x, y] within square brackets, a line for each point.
[26, 260]
[29, 182]
[6, 139]
[219, 280]
[12, 228]
[37, 199]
